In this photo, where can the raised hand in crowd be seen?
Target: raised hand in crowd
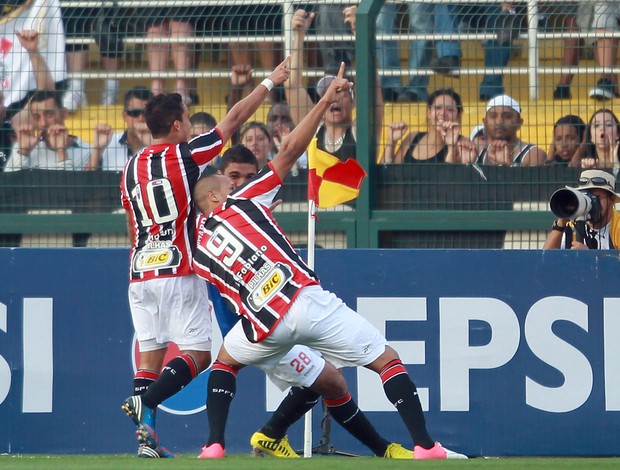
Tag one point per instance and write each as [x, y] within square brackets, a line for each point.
[57, 136]
[240, 78]
[29, 39]
[27, 137]
[302, 20]
[103, 136]
[498, 153]
[349, 16]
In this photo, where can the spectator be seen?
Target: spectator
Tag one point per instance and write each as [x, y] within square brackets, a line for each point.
[602, 230]
[113, 24]
[568, 141]
[337, 133]
[442, 143]
[112, 150]
[175, 24]
[601, 141]
[605, 18]
[255, 136]
[45, 142]
[502, 122]
[259, 19]
[602, 17]
[19, 76]
[329, 23]
[29, 41]
[503, 21]
[478, 138]
[78, 23]
[424, 18]
[201, 123]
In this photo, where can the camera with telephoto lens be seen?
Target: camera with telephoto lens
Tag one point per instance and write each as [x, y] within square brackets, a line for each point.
[575, 204]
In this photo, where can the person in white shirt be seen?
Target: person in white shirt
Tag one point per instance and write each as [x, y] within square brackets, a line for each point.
[44, 141]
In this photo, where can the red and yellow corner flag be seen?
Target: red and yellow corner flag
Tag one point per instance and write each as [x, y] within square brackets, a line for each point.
[330, 180]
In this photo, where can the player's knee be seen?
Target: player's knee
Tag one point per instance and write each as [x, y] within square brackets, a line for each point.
[330, 383]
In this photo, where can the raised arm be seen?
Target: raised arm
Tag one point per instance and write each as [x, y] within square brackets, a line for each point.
[349, 18]
[299, 139]
[299, 101]
[29, 39]
[241, 111]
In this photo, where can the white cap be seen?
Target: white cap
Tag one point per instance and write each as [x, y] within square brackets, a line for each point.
[504, 100]
[475, 131]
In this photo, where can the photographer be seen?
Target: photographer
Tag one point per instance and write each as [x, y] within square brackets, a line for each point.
[587, 218]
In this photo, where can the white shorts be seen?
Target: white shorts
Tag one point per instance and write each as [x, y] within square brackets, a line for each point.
[317, 319]
[171, 309]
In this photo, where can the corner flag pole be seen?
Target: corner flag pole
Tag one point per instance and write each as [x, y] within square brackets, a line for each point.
[311, 247]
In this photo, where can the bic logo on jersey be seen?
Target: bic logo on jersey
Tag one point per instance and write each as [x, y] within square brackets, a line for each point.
[191, 399]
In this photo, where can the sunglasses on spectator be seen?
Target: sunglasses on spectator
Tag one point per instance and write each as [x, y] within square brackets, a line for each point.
[596, 181]
[279, 117]
[134, 113]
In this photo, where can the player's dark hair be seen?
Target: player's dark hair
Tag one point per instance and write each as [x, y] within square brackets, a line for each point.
[161, 111]
[138, 92]
[43, 95]
[238, 154]
[203, 118]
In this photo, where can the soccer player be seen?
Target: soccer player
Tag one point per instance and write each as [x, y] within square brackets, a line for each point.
[239, 164]
[168, 301]
[246, 255]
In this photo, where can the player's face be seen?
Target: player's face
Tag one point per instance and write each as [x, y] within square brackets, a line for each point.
[227, 186]
[502, 123]
[239, 173]
[46, 114]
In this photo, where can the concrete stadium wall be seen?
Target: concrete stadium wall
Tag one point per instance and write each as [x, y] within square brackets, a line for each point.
[514, 352]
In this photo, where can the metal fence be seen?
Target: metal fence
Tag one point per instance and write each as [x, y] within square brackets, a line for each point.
[555, 58]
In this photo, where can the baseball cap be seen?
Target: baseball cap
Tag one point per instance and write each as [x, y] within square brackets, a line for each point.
[323, 85]
[598, 179]
[504, 100]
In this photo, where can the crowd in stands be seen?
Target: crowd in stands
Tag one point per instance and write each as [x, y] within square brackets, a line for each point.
[36, 95]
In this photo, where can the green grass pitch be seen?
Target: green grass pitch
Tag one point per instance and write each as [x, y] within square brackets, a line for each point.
[243, 462]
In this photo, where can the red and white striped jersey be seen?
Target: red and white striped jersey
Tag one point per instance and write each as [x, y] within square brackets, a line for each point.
[243, 251]
[156, 190]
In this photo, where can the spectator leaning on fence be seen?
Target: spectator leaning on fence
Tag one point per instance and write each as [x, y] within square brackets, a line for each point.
[44, 141]
[112, 150]
[601, 148]
[568, 144]
[602, 230]
[442, 143]
[502, 122]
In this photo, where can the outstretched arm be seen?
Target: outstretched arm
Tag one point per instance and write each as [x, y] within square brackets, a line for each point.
[29, 39]
[297, 97]
[248, 105]
[299, 139]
